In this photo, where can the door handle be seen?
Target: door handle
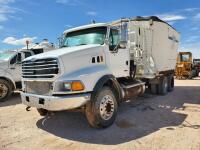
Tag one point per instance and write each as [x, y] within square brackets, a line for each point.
[12, 68]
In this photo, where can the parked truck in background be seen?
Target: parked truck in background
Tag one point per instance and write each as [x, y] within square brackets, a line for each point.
[11, 68]
[196, 67]
[101, 65]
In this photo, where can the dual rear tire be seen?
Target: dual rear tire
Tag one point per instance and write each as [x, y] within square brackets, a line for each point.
[166, 84]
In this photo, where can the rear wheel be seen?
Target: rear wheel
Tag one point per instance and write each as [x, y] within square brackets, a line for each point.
[42, 112]
[163, 86]
[170, 79]
[154, 88]
[5, 90]
[102, 110]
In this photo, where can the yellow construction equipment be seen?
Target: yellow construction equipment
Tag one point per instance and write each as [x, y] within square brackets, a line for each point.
[184, 66]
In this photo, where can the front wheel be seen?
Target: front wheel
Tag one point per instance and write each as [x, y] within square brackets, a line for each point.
[5, 90]
[102, 110]
[42, 112]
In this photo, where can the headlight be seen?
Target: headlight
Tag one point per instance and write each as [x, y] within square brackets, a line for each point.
[73, 86]
[67, 86]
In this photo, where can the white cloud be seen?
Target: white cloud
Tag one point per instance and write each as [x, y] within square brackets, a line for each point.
[190, 9]
[68, 2]
[91, 13]
[171, 17]
[6, 11]
[197, 16]
[18, 42]
[68, 26]
[6, 1]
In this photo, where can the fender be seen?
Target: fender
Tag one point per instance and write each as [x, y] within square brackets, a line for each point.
[105, 79]
[9, 80]
[89, 76]
[6, 75]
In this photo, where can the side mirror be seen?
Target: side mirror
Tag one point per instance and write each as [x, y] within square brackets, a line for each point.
[122, 44]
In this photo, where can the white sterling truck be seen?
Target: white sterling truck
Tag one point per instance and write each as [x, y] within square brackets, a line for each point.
[10, 67]
[101, 65]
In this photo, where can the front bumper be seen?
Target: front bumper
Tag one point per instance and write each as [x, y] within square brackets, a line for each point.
[55, 103]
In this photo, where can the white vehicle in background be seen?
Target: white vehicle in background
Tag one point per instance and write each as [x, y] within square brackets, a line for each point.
[101, 65]
[11, 68]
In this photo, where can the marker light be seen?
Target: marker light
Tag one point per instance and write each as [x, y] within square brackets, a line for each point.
[77, 86]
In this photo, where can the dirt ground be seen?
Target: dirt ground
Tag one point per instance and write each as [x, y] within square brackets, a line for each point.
[169, 122]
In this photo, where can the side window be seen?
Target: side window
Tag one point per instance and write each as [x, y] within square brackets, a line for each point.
[27, 54]
[124, 32]
[114, 38]
[13, 60]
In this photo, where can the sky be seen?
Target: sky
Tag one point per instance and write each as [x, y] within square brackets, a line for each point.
[34, 20]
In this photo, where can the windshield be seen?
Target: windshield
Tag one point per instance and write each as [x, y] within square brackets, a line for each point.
[6, 56]
[185, 57]
[85, 37]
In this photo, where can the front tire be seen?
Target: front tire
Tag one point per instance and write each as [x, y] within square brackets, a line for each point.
[5, 90]
[42, 112]
[102, 110]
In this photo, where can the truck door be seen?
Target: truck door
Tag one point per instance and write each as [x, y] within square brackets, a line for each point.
[15, 68]
[118, 55]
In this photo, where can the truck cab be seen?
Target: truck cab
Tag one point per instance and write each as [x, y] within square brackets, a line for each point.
[94, 69]
[10, 71]
[11, 67]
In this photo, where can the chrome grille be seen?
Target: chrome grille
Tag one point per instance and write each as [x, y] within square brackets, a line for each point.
[40, 68]
[41, 88]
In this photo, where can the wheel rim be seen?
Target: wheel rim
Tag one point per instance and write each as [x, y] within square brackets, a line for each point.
[3, 90]
[107, 107]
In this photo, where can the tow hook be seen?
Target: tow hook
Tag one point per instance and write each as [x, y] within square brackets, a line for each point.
[28, 108]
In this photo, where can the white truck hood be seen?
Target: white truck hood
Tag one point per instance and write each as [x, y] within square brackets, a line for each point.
[73, 59]
[63, 51]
